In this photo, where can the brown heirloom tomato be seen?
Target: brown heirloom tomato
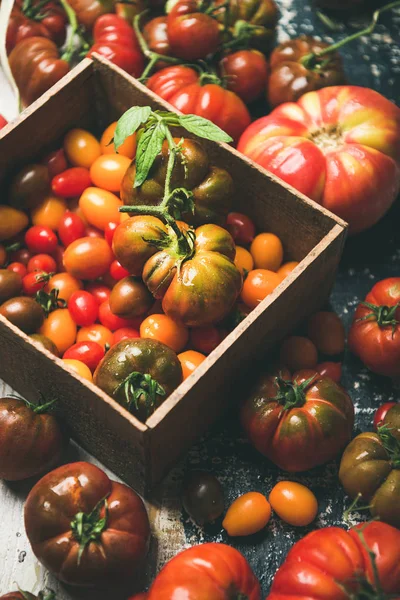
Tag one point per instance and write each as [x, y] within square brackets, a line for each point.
[140, 374]
[134, 241]
[290, 78]
[156, 36]
[212, 571]
[212, 187]
[87, 11]
[36, 65]
[298, 422]
[35, 18]
[31, 440]
[370, 468]
[192, 34]
[85, 528]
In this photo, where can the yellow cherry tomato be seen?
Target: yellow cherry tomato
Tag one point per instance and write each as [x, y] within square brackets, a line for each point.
[287, 268]
[128, 148]
[243, 260]
[294, 503]
[81, 148]
[190, 360]
[267, 251]
[79, 368]
[60, 328]
[100, 207]
[165, 330]
[12, 222]
[108, 171]
[49, 212]
[247, 514]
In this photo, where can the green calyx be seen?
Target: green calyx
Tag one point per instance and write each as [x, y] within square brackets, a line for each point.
[391, 444]
[291, 394]
[87, 528]
[140, 388]
[40, 407]
[49, 302]
[34, 11]
[385, 316]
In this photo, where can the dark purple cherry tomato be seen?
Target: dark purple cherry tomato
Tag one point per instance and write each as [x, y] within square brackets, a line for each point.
[72, 182]
[83, 308]
[21, 256]
[18, 267]
[40, 239]
[241, 228]
[331, 369]
[42, 262]
[203, 497]
[71, 228]
[55, 162]
[34, 282]
[90, 353]
[382, 412]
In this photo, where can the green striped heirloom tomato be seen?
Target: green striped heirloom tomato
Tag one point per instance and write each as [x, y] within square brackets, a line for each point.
[298, 422]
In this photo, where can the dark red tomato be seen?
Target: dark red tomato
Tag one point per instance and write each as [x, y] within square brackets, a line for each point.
[205, 339]
[34, 282]
[246, 73]
[100, 292]
[116, 40]
[156, 35]
[125, 333]
[330, 369]
[191, 34]
[241, 228]
[71, 228]
[18, 267]
[86, 529]
[42, 262]
[35, 18]
[117, 271]
[55, 162]
[3, 122]
[23, 255]
[374, 335]
[83, 308]
[59, 258]
[90, 353]
[111, 321]
[109, 232]
[382, 412]
[72, 182]
[40, 239]
[183, 88]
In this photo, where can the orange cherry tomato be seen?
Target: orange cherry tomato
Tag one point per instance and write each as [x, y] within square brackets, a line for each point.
[108, 171]
[66, 285]
[79, 368]
[49, 212]
[267, 251]
[258, 284]
[3, 255]
[247, 514]
[100, 207]
[287, 268]
[60, 328]
[326, 330]
[96, 333]
[88, 258]
[128, 148]
[243, 260]
[298, 353]
[294, 503]
[165, 330]
[190, 360]
[81, 148]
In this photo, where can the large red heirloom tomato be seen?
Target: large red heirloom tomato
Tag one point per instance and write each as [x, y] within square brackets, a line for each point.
[208, 571]
[85, 528]
[340, 146]
[333, 564]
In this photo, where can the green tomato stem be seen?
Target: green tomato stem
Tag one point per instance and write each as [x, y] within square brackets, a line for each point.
[88, 528]
[153, 57]
[75, 30]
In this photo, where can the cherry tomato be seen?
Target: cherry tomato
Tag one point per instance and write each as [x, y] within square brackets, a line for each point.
[70, 228]
[96, 333]
[165, 330]
[58, 256]
[41, 239]
[108, 170]
[287, 268]
[79, 368]
[83, 308]
[267, 251]
[55, 162]
[18, 267]
[190, 360]
[381, 413]
[246, 73]
[42, 262]
[90, 353]
[247, 514]
[128, 148]
[111, 321]
[3, 255]
[93, 232]
[66, 285]
[72, 182]
[117, 271]
[241, 228]
[81, 148]
[49, 212]
[3, 122]
[99, 207]
[294, 503]
[205, 339]
[333, 370]
[23, 255]
[109, 231]
[243, 260]
[298, 353]
[60, 328]
[100, 292]
[326, 330]
[88, 258]
[33, 282]
[203, 497]
[258, 284]
[125, 333]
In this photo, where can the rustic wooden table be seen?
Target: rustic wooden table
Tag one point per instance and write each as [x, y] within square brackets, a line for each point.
[373, 62]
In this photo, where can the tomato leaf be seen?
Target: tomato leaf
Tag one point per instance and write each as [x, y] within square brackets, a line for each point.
[130, 122]
[149, 145]
[204, 128]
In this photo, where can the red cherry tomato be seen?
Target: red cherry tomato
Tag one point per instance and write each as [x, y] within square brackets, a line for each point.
[71, 182]
[125, 333]
[90, 353]
[93, 232]
[42, 262]
[55, 162]
[100, 292]
[117, 271]
[111, 321]
[40, 239]
[33, 282]
[331, 369]
[382, 412]
[246, 73]
[3, 122]
[23, 255]
[83, 308]
[18, 267]
[71, 228]
[241, 228]
[109, 231]
[205, 339]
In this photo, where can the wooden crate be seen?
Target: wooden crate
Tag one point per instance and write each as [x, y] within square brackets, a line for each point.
[92, 95]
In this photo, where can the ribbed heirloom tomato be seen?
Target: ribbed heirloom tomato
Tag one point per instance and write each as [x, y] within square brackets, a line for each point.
[192, 34]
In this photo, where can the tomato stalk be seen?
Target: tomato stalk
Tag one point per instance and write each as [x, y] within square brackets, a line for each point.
[391, 444]
[51, 301]
[34, 11]
[75, 29]
[152, 56]
[291, 394]
[243, 32]
[141, 386]
[88, 528]
[385, 316]
[365, 589]
[354, 507]
[311, 61]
